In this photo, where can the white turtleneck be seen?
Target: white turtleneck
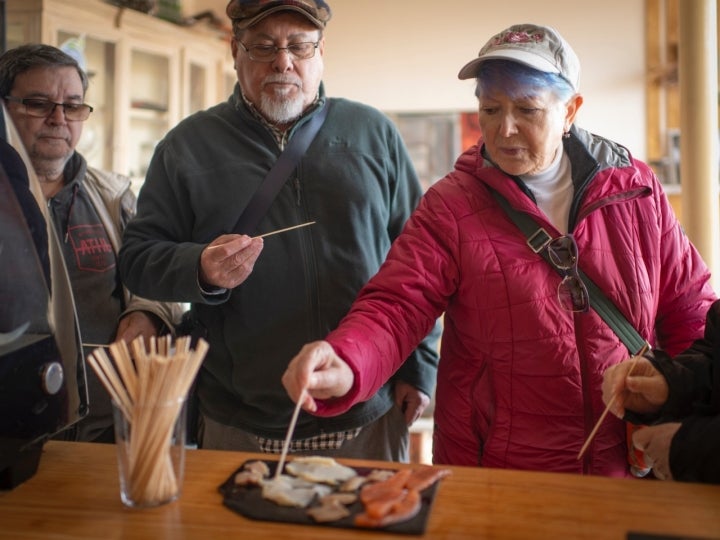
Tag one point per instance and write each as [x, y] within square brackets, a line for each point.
[553, 190]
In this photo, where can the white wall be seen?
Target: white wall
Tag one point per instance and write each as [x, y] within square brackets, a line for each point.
[404, 55]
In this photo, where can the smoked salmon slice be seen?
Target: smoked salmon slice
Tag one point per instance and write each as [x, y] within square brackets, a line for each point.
[398, 498]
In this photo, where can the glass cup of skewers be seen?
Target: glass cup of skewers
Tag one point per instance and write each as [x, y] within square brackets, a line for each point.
[151, 452]
[148, 388]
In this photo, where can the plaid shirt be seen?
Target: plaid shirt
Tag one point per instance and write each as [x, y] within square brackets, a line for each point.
[324, 441]
[280, 136]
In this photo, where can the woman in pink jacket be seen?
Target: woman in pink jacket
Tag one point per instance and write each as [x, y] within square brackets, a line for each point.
[522, 354]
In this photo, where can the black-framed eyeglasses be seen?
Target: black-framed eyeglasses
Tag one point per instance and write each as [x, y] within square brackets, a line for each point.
[572, 292]
[267, 53]
[42, 108]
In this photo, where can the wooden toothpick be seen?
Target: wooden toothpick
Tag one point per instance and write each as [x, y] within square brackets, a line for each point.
[288, 437]
[285, 229]
[610, 403]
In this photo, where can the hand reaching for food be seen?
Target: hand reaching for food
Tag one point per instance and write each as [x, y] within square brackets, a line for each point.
[318, 370]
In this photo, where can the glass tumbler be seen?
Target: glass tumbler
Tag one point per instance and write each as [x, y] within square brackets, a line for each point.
[150, 440]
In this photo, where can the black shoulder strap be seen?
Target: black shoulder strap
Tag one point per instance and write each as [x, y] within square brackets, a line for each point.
[537, 240]
[276, 177]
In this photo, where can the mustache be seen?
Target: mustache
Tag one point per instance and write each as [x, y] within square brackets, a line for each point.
[280, 78]
[55, 134]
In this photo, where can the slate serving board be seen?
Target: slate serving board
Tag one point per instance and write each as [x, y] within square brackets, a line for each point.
[248, 502]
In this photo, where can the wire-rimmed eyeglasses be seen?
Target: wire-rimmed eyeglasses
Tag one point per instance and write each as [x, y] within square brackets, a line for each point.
[572, 292]
[42, 108]
[303, 50]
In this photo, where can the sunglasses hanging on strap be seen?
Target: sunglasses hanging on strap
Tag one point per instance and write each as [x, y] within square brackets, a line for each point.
[559, 254]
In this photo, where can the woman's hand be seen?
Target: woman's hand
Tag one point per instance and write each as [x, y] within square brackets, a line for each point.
[320, 372]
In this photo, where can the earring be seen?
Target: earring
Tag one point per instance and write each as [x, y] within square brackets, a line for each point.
[566, 135]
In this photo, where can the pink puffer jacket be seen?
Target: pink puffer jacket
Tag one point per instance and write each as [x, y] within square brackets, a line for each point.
[519, 377]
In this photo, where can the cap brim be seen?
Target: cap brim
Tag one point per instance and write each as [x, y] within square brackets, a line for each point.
[469, 70]
[247, 23]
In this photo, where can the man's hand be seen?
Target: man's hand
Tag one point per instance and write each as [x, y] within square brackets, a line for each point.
[644, 391]
[655, 441]
[411, 401]
[318, 370]
[228, 260]
[138, 323]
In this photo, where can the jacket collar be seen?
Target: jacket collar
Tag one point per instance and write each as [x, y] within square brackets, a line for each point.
[242, 103]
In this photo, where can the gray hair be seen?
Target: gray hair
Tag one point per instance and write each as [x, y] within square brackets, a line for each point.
[26, 57]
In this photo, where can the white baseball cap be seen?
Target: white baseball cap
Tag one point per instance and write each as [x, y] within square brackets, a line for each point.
[539, 47]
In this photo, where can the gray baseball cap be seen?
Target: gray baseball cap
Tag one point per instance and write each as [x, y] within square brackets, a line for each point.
[540, 47]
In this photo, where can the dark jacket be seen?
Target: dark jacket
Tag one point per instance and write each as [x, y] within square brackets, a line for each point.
[356, 181]
[694, 400]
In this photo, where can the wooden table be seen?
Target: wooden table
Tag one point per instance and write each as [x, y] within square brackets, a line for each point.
[75, 495]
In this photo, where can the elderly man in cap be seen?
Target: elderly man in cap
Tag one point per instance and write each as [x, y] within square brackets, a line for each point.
[278, 153]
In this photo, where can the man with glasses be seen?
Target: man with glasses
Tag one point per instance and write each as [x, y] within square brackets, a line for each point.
[44, 90]
[257, 300]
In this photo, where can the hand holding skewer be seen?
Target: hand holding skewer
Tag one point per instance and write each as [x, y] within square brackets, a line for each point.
[611, 400]
[229, 259]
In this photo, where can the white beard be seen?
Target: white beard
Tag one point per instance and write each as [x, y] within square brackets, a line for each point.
[279, 110]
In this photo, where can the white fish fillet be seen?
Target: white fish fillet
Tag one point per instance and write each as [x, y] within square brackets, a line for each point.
[289, 491]
[320, 469]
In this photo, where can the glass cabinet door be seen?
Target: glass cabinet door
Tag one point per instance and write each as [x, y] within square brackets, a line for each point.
[152, 108]
[199, 76]
[197, 88]
[149, 99]
[97, 141]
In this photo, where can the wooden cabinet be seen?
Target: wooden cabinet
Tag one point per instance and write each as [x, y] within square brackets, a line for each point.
[146, 74]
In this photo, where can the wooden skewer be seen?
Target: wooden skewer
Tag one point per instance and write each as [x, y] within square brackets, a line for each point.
[610, 403]
[125, 368]
[288, 437]
[116, 394]
[272, 232]
[285, 229]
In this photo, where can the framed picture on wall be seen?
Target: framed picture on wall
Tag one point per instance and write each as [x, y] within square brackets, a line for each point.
[469, 129]
[432, 140]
